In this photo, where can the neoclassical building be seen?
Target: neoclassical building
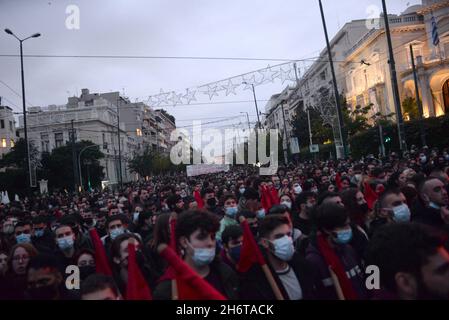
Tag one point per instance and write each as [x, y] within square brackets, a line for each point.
[367, 72]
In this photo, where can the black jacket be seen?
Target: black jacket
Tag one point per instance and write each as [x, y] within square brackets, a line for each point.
[46, 243]
[428, 216]
[229, 281]
[254, 284]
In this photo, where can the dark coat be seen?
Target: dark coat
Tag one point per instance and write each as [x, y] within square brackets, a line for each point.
[229, 281]
[255, 286]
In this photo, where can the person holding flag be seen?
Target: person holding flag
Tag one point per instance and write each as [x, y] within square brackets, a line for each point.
[195, 239]
[273, 270]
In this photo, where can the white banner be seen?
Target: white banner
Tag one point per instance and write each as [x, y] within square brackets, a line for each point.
[199, 169]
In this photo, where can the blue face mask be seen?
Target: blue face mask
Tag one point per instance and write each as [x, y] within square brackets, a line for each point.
[401, 213]
[38, 233]
[434, 205]
[202, 256]
[242, 190]
[283, 248]
[343, 236]
[231, 211]
[65, 243]
[235, 253]
[116, 232]
[23, 238]
[261, 213]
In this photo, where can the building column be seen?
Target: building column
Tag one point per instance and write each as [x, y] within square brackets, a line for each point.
[439, 103]
[426, 95]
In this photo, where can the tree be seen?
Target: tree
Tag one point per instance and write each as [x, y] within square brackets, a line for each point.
[142, 163]
[410, 108]
[57, 166]
[16, 157]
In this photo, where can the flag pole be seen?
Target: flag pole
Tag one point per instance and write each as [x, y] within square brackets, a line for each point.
[172, 224]
[266, 270]
[337, 286]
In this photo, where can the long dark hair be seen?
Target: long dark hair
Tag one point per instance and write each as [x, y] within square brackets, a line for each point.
[161, 233]
[356, 215]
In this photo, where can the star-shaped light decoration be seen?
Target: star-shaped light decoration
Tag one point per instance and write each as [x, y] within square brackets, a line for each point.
[248, 82]
[285, 75]
[267, 75]
[162, 97]
[176, 98]
[189, 96]
[211, 91]
[230, 87]
[152, 101]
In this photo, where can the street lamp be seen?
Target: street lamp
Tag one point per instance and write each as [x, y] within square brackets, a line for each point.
[247, 118]
[79, 161]
[27, 151]
[255, 102]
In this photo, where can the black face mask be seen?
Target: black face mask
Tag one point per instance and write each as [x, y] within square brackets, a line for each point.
[88, 221]
[42, 293]
[363, 207]
[86, 271]
[178, 210]
[211, 202]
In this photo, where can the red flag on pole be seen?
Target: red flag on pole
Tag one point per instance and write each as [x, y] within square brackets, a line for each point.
[198, 199]
[338, 181]
[101, 261]
[137, 287]
[250, 252]
[370, 195]
[190, 285]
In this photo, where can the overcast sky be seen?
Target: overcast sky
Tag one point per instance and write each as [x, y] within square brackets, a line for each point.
[272, 29]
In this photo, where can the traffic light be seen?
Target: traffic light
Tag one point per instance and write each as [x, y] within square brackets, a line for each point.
[387, 139]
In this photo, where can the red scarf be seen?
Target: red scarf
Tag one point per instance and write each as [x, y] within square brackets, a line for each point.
[333, 261]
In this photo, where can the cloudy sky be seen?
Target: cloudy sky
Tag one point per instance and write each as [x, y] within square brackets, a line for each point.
[258, 29]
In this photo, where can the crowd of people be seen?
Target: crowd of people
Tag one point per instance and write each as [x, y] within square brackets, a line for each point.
[316, 225]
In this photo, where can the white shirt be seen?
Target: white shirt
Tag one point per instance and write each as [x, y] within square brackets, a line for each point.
[290, 283]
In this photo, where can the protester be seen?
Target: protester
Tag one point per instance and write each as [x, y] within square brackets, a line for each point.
[195, 237]
[412, 261]
[294, 277]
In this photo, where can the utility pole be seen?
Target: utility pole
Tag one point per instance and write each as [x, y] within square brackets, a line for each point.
[119, 147]
[74, 160]
[286, 143]
[394, 83]
[418, 100]
[334, 80]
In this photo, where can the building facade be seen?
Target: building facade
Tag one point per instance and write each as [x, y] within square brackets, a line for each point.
[7, 129]
[94, 118]
[367, 72]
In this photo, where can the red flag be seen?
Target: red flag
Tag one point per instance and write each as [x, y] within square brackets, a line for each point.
[370, 195]
[333, 261]
[198, 199]
[173, 234]
[190, 285]
[101, 261]
[250, 252]
[338, 181]
[136, 288]
[274, 196]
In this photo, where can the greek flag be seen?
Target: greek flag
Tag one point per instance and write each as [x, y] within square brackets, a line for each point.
[435, 37]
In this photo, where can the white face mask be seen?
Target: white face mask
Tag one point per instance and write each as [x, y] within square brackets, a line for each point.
[283, 248]
[297, 189]
[288, 204]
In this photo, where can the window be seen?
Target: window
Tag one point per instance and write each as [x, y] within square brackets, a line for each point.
[3, 142]
[139, 132]
[59, 139]
[2, 124]
[45, 142]
[11, 128]
[12, 143]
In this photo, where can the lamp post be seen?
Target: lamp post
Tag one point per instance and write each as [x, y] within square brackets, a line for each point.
[247, 118]
[255, 103]
[79, 161]
[27, 150]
